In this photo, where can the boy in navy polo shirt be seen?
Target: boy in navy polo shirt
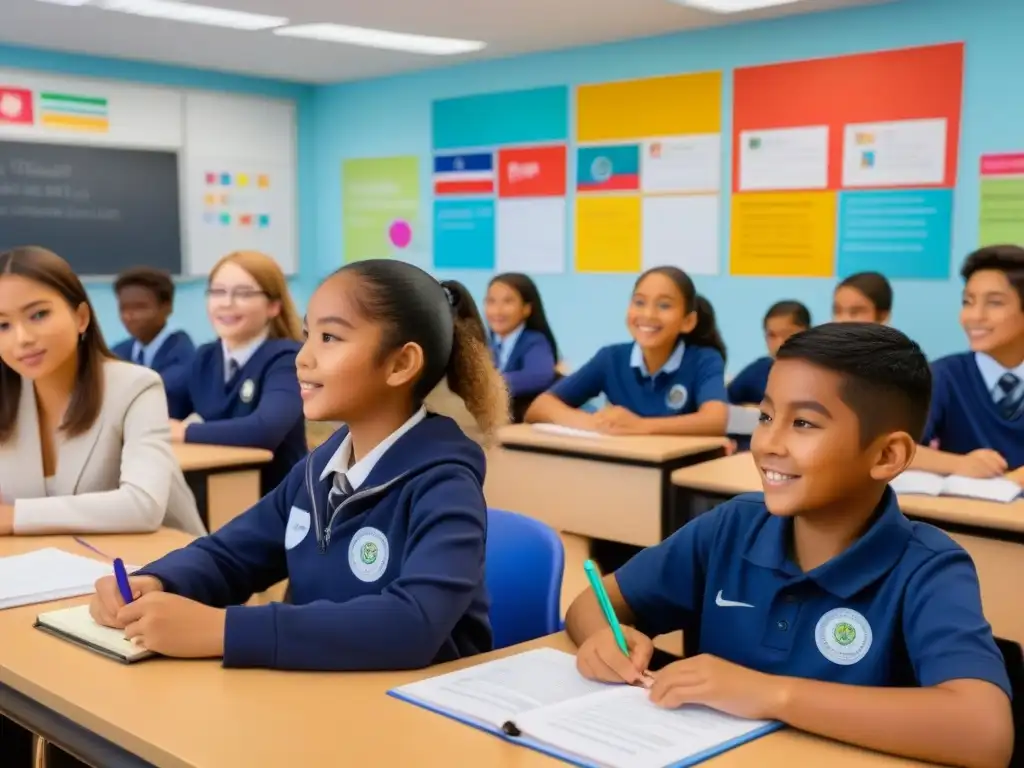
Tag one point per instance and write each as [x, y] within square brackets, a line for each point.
[816, 602]
[977, 413]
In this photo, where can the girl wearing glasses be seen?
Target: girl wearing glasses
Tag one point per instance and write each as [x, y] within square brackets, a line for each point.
[243, 388]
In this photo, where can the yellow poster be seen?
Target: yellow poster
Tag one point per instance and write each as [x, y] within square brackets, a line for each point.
[608, 233]
[674, 105]
[783, 234]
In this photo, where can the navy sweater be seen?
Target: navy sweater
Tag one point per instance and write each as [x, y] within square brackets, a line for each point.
[748, 387]
[173, 361]
[964, 417]
[262, 407]
[530, 368]
[394, 581]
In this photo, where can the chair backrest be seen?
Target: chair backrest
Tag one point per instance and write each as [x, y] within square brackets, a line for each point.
[525, 560]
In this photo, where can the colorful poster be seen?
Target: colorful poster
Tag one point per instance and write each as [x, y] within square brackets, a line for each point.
[380, 202]
[648, 174]
[506, 153]
[464, 234]
[1002, 199]
[73, 112]
[16, 106]
[881, 160]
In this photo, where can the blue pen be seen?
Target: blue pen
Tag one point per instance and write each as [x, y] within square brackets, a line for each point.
[122, 580]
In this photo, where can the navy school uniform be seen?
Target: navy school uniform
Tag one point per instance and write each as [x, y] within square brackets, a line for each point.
[976, 403]
[170, 354]
[750, 384]
[901, 607]
[258, 407]
[385, 558]
[526, 360]
[692, 376]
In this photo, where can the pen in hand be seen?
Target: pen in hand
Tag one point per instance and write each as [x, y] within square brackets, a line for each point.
[121, 576]
[609, 614]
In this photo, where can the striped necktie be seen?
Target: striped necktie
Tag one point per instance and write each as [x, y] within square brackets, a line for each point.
[232, 372]
[140, 356]
[1012, 398]
[341, 489]
[496, 353]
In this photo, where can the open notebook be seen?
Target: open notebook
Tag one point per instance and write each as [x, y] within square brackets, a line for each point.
[538, 699]
[558, 429]
[47, 574]
[76, 625]
[925, 483]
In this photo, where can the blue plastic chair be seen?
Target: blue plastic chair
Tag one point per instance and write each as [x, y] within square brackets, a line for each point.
[525, 561]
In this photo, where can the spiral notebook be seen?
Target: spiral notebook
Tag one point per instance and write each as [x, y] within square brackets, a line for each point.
[537, 699]
[76, 625]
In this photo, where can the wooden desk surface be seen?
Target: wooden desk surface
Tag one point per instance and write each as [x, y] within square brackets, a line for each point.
[195, 456]
[737, 474]
[195, 714]
[655, 450]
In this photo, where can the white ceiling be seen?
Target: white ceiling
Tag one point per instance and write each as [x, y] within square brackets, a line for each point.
[509, 27]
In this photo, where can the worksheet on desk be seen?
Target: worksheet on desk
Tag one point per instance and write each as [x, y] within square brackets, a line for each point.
[47, 574]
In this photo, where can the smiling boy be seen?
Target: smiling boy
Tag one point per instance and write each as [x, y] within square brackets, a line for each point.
[816, 602]
[977, 413]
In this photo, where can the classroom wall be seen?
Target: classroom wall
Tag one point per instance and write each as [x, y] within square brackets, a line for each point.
[190, 312]
[392, 117]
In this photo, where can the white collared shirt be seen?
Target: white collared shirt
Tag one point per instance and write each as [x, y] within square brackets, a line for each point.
[992, 371]
[506, 344]
[241, 355]
[149, 350]
[636, 360]
[338, 464]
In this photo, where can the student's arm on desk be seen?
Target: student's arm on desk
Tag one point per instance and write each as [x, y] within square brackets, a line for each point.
[658, 591]
[278, 411]
[961, 714]
[561, 404]
[980, 463]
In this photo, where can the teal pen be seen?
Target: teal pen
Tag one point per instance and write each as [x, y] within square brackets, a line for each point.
[606, 604]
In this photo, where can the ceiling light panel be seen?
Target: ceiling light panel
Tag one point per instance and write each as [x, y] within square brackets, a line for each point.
[381, 38]
[189, 13]
[732, 6]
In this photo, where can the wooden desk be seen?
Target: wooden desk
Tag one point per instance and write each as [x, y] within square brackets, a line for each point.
[224, 479]
[993, 534]
[195, 714]
[613, 488]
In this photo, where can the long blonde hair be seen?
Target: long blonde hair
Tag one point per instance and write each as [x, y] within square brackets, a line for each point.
[271, 280]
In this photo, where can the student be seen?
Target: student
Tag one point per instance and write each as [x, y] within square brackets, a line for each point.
[817, 603]
[84, 446]
[381, 530]
[782, 320]
[669, 381]
[865, 297]
[522, 342]
[977, 413]
[242, 388]
[145, 300]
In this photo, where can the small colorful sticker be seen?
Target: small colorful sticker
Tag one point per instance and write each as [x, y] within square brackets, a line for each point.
[225, 179]
[210, 199]
[245, 220]
[211, 178]
[225, 218]
[400, 233]
[264, 220]
[224, 199]
[242, 180]
[264, 181]
[210, 218]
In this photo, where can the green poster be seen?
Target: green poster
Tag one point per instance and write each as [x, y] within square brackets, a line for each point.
[380, 202]
[1002, 199]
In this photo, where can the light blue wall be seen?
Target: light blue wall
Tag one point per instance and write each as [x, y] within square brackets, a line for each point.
[190, 312]
[392, 116]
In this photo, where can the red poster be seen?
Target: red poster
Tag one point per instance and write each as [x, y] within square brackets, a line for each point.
[532, 172]
[903, 84]
[16, 106]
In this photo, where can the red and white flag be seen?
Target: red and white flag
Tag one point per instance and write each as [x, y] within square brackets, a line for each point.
[16, 106]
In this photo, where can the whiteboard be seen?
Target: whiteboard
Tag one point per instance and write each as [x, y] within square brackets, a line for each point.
[240, 181]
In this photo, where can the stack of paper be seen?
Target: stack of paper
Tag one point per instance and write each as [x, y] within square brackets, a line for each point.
[925, 483]
[47, 574]
[558, 429]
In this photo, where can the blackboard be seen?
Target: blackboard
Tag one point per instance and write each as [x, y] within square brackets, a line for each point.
[102, 209]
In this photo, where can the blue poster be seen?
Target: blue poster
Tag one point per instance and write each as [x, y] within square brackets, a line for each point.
[903, 233]
[464, 234]
[511, 117]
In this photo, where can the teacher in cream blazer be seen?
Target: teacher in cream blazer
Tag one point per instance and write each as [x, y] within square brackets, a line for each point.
[84, 438]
